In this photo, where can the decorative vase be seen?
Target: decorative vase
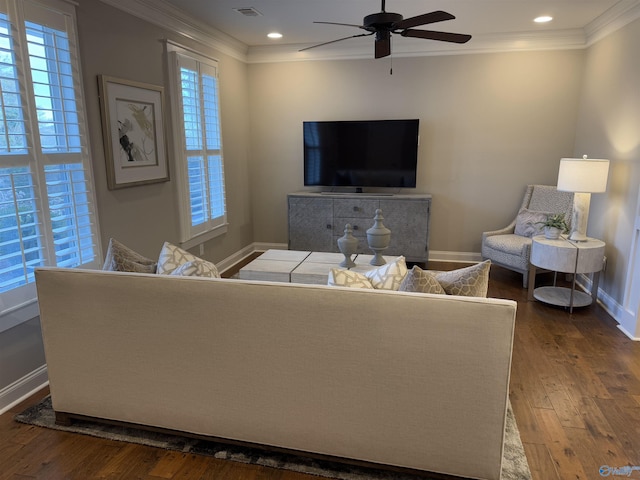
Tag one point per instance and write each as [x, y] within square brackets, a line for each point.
[378, 238]
[552, 233]
[348, 245]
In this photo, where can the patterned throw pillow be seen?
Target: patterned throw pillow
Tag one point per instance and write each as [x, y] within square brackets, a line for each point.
[121, 258]
[418, 280]
[348, 278]
[197, 268]
[470, 281]
[527, 223]
[173, 257]
[388, 276]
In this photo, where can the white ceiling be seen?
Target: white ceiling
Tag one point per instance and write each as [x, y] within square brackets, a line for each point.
[494, 24]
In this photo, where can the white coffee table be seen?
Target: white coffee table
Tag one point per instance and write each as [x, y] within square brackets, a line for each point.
[301, 266]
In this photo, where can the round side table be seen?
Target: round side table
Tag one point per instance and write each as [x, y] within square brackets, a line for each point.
[563, 255]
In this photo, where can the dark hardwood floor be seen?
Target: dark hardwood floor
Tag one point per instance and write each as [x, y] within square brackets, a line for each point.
[575, 391]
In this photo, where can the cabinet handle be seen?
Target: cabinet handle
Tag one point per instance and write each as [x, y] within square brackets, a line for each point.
[328, 226]
[355, 227]
[355, 209]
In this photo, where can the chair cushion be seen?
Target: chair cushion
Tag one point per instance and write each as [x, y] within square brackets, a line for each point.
[510, 243]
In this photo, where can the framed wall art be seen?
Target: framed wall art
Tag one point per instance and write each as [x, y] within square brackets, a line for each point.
[133, 132]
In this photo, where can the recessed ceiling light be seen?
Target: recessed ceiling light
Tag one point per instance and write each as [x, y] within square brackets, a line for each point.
[543, 19]
[274, 35]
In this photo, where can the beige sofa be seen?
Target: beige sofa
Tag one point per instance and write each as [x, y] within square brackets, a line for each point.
[401, 379]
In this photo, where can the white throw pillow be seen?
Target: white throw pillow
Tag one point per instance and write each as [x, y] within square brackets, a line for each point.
[348, 278]
[172, 257]
[388, 276]
[197, 268]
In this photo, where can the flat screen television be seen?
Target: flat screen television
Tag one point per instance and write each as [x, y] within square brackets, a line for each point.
[361, 153]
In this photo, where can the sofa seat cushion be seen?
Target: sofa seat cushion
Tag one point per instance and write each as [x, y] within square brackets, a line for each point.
[173, 258]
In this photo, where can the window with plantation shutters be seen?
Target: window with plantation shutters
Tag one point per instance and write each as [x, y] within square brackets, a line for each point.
[47, 206]
[199, 160]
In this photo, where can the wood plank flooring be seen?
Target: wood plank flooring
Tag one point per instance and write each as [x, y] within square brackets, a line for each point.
[575, 391]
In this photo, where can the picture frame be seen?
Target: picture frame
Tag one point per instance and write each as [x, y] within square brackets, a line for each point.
[133, 132]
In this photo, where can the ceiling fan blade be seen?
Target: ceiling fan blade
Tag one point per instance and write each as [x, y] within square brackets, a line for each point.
[343, 24]
[383, 46]
[433, 17]
[441, 36]
[334, 41]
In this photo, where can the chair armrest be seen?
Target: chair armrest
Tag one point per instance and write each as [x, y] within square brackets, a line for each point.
[503, 231]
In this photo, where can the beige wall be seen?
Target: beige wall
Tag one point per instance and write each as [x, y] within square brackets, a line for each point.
[117, 44]
[489, 125]
[609, 127]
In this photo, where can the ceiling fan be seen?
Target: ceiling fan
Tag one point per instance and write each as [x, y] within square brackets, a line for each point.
[385, 23]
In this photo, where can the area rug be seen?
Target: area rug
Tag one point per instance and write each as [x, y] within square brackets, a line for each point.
[514, 465]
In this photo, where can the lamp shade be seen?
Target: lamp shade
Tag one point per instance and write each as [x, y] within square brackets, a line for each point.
[583, 175]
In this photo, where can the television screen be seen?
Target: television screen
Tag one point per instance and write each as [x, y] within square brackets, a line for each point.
[361, 153]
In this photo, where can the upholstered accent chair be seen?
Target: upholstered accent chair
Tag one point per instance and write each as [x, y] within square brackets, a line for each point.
[510, 247]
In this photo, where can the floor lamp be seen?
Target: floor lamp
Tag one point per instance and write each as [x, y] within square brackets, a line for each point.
[582, 176]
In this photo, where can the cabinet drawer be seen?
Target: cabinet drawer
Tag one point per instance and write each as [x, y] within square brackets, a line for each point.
[355, 208]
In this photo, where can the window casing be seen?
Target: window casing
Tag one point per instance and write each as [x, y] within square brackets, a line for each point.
[198, 145]
[47, 202]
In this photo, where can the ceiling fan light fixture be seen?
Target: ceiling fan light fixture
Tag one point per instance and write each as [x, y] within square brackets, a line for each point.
[543, 19]
[383, 24]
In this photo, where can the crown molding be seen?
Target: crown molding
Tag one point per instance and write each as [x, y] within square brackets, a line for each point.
[167, 16]
[621, 14]
[363, 49]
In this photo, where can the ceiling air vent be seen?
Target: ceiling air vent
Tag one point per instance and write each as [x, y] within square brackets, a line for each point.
[248, 11]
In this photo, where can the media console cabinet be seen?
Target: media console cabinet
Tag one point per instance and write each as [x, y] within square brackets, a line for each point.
[317, 220]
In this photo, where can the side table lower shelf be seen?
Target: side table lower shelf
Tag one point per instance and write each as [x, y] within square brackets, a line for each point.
[561, 296]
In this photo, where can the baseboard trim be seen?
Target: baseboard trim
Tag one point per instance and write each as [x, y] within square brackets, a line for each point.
[23, 388]
[454, 257]
[613, 308]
